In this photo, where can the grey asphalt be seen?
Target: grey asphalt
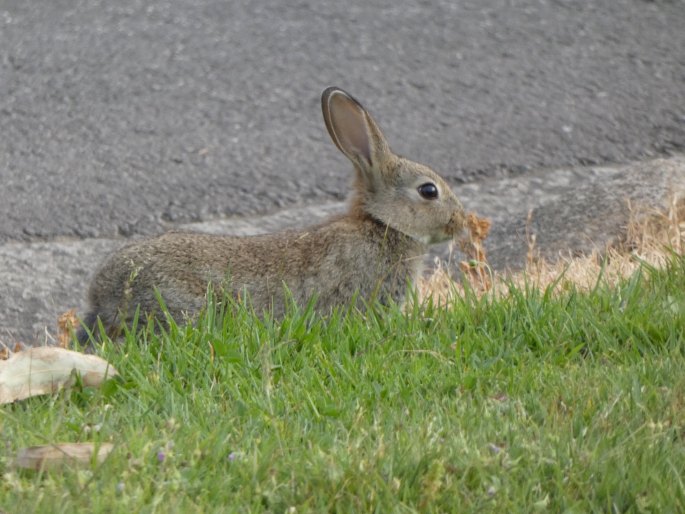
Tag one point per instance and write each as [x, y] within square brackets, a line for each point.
[121, 119]
[127, 117]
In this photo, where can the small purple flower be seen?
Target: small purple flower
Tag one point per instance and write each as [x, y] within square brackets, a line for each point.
[161, 456]
[232, 456]
[494, 448]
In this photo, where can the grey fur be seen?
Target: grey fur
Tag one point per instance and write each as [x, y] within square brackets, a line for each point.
[374, 250]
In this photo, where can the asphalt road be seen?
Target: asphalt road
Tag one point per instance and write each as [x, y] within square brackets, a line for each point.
[127, 117]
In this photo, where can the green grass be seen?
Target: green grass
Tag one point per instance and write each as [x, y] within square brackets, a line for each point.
[538, 402]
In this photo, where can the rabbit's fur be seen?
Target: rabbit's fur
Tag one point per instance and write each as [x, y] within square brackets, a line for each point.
[373, 251]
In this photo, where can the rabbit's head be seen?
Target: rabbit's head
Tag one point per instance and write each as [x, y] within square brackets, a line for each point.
[405, 195]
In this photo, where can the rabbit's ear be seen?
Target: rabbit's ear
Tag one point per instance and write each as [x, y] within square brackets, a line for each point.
[353, 130]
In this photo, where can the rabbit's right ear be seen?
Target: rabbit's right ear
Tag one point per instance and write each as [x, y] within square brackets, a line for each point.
[353, 130]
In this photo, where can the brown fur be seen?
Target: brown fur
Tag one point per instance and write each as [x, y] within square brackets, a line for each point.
[373, 251]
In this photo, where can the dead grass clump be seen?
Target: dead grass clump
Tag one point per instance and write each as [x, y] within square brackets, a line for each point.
[67, 323]
[652, 237]
[475, 268]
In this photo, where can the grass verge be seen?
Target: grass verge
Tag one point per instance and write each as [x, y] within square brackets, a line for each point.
[559, 390]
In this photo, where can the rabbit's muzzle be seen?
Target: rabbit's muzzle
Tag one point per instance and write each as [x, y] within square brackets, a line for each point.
[456, 223]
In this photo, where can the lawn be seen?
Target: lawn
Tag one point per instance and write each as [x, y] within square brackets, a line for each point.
[564, 401]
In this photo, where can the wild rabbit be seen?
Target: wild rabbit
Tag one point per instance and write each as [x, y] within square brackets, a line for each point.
[396, 209]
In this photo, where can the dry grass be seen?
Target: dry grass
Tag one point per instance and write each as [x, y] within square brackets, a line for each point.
[652, 237]
[67, 323]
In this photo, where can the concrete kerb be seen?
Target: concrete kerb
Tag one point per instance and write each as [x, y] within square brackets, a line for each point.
[573, 211]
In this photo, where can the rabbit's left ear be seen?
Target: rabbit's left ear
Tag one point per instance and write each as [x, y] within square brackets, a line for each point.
[353, 130]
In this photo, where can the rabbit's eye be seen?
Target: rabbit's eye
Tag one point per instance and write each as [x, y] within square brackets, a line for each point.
[429, 191]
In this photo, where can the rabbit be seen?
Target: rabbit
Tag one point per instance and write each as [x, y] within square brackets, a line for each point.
[372, 252]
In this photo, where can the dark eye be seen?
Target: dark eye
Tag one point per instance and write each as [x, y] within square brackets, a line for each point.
[429, 191]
